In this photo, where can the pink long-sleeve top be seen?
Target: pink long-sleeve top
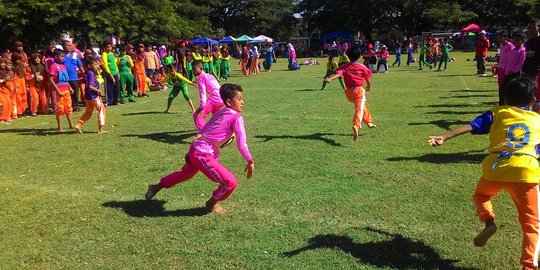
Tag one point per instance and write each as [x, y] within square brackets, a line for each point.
[504, 51]
[207, 83]
[220, 128]
[516, 57]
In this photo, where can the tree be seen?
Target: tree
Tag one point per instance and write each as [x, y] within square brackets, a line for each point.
[252, 17]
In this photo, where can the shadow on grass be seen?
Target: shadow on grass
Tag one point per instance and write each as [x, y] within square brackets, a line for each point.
[314, 136]
[178, 137]
[457, 112]
[308, 90]
[445, 124]
[38, 131]
[494, 103]
[398, 252]
[143, 113]
[471, 96]
[154, 208]
[454, 75]
[444, 158]
[473, 91]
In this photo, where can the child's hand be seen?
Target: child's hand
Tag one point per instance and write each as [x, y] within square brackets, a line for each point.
[250, 167]
[327, 79]
[436, 140]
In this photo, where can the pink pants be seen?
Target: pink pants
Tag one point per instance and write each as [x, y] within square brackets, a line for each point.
[210, 107]
[209, 165]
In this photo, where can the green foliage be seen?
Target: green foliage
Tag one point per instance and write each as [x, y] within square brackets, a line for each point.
[439, 15]
[39, 23]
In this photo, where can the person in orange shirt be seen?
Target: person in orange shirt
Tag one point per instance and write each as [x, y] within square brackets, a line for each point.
[20, 84]
[5, 93]
[35, 81]
[10, 85]
[354, 75]
[60, 83]
[435, 51]
[138, 68]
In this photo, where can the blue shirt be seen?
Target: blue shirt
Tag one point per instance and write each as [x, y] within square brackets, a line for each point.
[72, 61]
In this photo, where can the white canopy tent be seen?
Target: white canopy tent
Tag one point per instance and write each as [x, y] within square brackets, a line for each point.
[263, 38]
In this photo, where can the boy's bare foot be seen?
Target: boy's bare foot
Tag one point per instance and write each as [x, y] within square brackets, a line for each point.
[60, 130]
[71, 127]
[78, 129]
[371, 125]
[151, 192]
[355, 133]
[481, 239]
[102, 131]
[213, 206]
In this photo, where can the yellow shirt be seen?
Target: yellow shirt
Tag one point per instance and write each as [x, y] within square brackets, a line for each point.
[513, 137]
[175, 79]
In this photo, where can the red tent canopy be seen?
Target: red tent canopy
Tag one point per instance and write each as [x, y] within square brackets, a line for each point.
[471, 28]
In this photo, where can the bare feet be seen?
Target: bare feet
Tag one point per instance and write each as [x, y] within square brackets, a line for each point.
[481, 239]
[102, 131]
[355, 133]
[371, 125]
[60, 130]
[151, 192]
[213, 206]
[78, 129]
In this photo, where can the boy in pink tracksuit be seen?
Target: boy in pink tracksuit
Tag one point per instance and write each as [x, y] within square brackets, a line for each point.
[204, 151]
[207, 83]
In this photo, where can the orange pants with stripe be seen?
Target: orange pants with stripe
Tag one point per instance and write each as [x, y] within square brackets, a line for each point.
[22, 100]
[526, 199]
[361, 112]
[63, 104]
[90, 105]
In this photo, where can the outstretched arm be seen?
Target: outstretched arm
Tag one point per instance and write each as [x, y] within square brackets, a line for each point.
[439, 140]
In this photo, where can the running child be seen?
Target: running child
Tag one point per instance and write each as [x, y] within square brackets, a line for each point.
[93, 97]
[330, 68]
[514, 134]
[203, 153]
[445, 55]
[398, 55]
[60, 83]
[422, 57]
[206, 83]
[179, 83]
[354, 75]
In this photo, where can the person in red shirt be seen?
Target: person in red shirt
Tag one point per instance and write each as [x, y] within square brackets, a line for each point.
[482, 47]
[383, 56]
[355, 74]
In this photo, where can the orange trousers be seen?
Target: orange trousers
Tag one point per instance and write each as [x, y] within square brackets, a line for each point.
[90, 105]
[141, 82]
[22, 101]
[244, 68]
[38, 98]
[5, 100]
[254, 66]
[358, 98]
[63, 104]
[526, 199]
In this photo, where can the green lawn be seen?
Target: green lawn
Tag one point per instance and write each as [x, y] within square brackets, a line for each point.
[317, 200]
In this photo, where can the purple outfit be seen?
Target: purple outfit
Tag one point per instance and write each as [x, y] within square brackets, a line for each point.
[204, 154]
[207, 83]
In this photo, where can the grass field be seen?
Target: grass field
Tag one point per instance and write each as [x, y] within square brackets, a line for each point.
[316, 201]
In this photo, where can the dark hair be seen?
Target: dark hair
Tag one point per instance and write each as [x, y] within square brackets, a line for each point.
[197, 63]
[518, 35]
[35, 55]
[90, 60]
[520, 91]
[354, 53]
[228, 91]
[58, 52]
[330, 58]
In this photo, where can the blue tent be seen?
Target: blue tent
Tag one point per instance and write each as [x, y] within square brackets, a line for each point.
[204, 40]
[227, 39]
[338, 34]
[255, 41]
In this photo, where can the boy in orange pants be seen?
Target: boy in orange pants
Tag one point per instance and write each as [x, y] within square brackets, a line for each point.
[354, 75]
[514, 134]
[92, 97]
[60, 83]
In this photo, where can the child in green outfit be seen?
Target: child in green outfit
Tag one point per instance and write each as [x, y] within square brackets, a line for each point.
[330, 67]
